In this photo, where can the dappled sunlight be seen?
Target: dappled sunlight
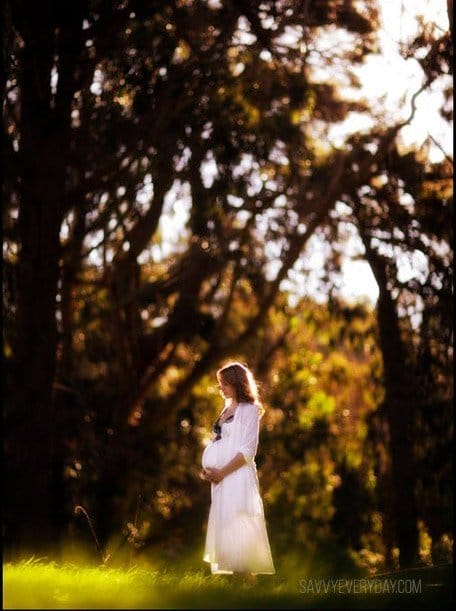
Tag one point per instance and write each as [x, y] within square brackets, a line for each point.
[199, 181]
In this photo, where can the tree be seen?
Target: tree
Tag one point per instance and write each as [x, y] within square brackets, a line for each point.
[72, 70]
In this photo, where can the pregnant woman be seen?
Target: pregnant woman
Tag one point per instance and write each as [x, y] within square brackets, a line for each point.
[236, 536]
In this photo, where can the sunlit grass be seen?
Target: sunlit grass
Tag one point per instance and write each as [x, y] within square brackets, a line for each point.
[37, 584]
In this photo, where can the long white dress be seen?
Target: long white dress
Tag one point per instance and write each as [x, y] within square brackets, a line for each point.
[236, 536]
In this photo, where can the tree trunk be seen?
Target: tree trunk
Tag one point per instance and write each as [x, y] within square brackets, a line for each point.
[30, 441]
[398, 409]
[385, 486]
[399, 413]
[33, 452]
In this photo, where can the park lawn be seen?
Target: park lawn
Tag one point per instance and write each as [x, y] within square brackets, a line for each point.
[34, 584]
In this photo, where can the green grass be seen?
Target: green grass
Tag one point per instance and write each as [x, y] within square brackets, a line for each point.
[35, 584]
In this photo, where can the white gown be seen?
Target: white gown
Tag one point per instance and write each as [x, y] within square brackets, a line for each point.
[236, 536]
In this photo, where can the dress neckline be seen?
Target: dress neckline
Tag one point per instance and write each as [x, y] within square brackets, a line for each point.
[230, 417]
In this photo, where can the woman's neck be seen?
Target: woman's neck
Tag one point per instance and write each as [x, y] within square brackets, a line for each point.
[230, 406]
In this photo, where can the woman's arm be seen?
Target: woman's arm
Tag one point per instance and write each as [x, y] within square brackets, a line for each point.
[250, 432]
[233, 465]
[216, 475]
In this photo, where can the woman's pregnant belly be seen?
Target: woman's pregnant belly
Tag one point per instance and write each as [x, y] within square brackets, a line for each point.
[210, 456]
[217, 454]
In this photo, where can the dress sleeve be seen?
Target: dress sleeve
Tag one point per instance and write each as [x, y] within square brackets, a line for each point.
[250, 428]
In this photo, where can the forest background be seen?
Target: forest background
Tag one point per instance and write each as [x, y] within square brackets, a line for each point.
[196, 181]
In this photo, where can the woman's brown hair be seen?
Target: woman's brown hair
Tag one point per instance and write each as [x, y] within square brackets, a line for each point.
[245, 386]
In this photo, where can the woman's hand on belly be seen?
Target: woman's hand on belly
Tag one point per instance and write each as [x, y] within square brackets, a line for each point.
[215, 475]
[204, 475]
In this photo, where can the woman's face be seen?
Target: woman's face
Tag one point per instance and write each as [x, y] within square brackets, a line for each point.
[226, 389]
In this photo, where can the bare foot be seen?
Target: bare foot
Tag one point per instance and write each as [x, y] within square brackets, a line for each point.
[251, 579]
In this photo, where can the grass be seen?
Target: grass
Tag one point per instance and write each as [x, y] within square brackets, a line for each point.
[36, 584]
